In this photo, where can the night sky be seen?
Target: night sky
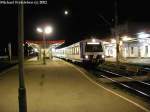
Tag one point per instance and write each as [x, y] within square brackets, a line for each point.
[83, 20]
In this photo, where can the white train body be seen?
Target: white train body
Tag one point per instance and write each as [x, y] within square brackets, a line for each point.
[86, 51]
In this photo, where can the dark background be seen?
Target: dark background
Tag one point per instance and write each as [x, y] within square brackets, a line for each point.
[83, 20]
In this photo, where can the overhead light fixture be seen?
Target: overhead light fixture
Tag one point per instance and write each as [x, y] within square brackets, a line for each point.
[113, 41]
[93, 40]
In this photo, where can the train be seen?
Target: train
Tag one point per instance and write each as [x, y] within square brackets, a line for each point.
[88, 51]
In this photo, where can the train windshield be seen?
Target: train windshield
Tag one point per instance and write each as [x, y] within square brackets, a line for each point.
[93, 48]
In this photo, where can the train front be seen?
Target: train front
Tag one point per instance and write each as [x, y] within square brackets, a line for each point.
[93, 52]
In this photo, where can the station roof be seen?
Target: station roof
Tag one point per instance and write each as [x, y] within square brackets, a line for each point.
[39, 43]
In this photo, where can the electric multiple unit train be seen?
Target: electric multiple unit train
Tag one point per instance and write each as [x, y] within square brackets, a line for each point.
[89, 51]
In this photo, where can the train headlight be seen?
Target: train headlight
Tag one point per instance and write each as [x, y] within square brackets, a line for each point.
[103, 56]
[86, 57]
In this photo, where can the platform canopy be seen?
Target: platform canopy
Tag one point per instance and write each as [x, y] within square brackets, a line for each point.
[47, 41]
[40, 43]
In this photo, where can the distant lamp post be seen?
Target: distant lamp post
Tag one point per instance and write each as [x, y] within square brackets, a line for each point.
[66, 12]
[44, 31]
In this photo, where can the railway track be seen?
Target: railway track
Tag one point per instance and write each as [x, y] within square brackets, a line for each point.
[6, 65]
[132, 85]
[138, 87]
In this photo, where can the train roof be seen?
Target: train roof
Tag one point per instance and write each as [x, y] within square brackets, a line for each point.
[66, 44]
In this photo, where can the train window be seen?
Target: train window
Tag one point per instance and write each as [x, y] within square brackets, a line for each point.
[75, 50]
[72, 50]
[132, 50]
[93, 48]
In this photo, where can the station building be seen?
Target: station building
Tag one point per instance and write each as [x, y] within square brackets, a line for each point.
[134, 42]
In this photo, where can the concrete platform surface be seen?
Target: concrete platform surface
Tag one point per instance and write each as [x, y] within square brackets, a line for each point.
[59, 87]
